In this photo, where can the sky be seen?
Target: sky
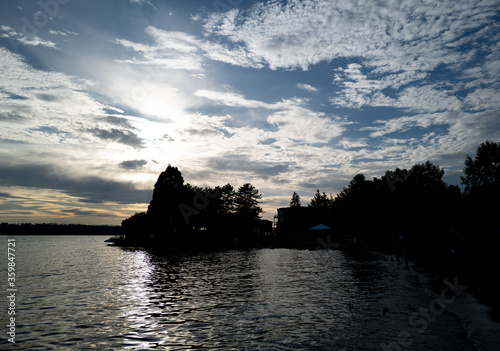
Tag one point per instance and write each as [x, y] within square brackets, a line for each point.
[97, 98]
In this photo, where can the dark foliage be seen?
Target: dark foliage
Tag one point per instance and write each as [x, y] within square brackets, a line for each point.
[295, 201]
[181, 215]
[247, 200]
[482, 172]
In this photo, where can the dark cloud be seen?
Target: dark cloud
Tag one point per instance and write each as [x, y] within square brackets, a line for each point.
[330, 184]
[308, 185]
[14, 96]
[89, 189]
[225, 132]
[133, 164]
[47, 97]
[167, 137]
[15, 112]
[11, 117]
[25, 213]
[84, 212]
[8, 141]
[202, 132]
[119, 136]
[238, 163]
[50, 130]
[10, 196]
[79, 212]
[268, 141]
[118, 121]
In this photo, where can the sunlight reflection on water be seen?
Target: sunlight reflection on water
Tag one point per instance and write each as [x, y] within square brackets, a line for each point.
[77, 293]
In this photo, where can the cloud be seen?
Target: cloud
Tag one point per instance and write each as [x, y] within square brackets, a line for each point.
[290, 138]
[133, 164]
[54, 32]
[393, 36]
[359, 91]
[81, 212]
[63, 33]
[8, 195]
[302, 126]
[47, 97]
[38, 205]
[427, 99]
[122, 122]
[89, 189]
[445, 138]
[171, 50]
[307, 87]
[393, 45]
[181, 51]
[239, 163]
[236, 55]
[268, 141]
[33, 98]
[483, 99]
[194, 132]
[142, 2]
[124, 137]
[239, 100]
[33, 40]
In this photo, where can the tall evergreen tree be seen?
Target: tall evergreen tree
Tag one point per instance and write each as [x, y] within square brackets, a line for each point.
[247, 201]
[227, 196]
[321, 208]
[295, 202]
[321, 200]
[169, 192]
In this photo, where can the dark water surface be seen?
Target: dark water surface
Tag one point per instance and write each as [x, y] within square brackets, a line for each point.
[76, 293]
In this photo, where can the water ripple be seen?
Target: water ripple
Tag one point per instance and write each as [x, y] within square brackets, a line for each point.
[92, 297]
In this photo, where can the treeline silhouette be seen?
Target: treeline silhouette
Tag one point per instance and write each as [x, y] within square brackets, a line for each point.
[413, 208]
[58, 229]
[185, 216]
[403, 211]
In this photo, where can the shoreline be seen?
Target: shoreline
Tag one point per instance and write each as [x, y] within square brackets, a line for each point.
[482, 290]
[476, 316]
[470, 307]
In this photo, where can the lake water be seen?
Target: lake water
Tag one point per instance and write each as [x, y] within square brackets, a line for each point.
[76, 293]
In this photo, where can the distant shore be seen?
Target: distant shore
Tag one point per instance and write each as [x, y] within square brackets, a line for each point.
[58, 229]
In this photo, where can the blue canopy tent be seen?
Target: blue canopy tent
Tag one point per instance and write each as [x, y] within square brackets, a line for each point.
[321, 227]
